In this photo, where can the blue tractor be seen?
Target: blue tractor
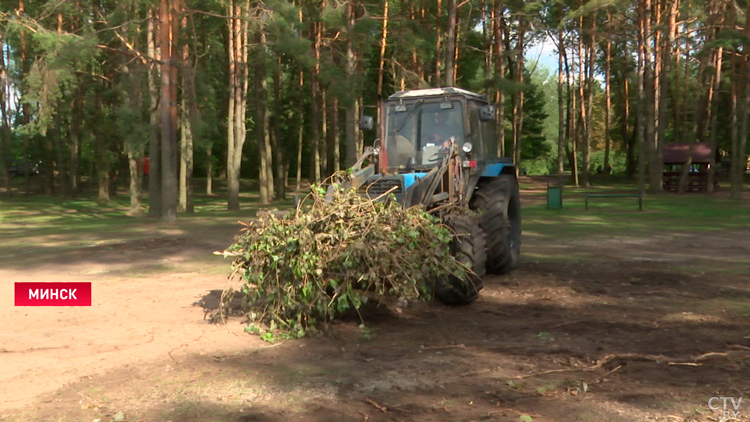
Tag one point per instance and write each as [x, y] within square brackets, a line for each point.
[438, 147]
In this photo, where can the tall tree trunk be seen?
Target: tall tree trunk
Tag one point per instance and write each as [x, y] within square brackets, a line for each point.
[666, 89]
[186, 159]
[233, 181]
[280, 178]
[714, 120]
[487, 41]
[238, 87]
[734, 95]
[381, 64]
[315, 100]
[133, 148]
[590, 91]
[133, 170]
[209, 169]
[643, 9]
[703, 102]
[714, 105]
[324, 132]
[630, 138]
[450, 51]
[102, 162]
[739, 157]
[654, 156]
[518, 115]
[263, 122]
[74, 141]
[336, 135]
[584, 127]
[187, 120]
[650, 109]
[5, 132]
[26, 118]
[572, 121]
[351, 106]
[500, 77]
[62, 174]
[438, 44]
[167, 38]
[154, 145]
[456, 50]
[608, 94]
[560, 98]
[300, 128]
[677, 105]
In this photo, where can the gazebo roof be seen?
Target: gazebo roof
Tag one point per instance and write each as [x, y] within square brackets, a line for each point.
[677, 153]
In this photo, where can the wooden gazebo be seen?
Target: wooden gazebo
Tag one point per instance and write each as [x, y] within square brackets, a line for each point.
[676, 157]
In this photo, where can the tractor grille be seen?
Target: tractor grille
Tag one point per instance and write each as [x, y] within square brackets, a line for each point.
[382, 186]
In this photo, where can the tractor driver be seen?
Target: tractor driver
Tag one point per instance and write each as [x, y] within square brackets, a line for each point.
[441, 132]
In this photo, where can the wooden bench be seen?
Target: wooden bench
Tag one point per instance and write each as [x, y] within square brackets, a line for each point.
[615, 195]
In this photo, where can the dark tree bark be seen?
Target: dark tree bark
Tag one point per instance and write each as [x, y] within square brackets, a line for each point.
[560, 99]
[583, 64]
[643, 103]
[450, 51]
[154, 148]
[315, 101]
[188, 119]
[739, 157]
[351, 106]
[262, 123]
[168, 112]
[500, 76]
[608, 95]
[238, 88]
[280, 163]
[5, 130]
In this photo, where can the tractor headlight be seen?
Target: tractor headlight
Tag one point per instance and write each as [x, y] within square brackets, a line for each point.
[467, 146]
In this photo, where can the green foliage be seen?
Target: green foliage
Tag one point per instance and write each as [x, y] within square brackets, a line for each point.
[324, 259]
[616, 161]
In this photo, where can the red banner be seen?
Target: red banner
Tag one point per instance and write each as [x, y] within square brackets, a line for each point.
[53, 294]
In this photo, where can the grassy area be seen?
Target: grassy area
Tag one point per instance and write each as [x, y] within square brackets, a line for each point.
[620, 216]
[37, 224]
[80, 222]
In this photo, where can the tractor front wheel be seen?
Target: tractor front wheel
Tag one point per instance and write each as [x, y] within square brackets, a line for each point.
[499, 200]
[468, 247]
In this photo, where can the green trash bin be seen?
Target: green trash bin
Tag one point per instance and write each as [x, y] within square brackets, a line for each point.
[555, 194]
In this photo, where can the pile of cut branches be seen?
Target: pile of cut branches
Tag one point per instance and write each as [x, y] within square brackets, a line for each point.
[299, 271]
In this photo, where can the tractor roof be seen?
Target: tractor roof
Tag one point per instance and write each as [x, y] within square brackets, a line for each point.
[436, 92]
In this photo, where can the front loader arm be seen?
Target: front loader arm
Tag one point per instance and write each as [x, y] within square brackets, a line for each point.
[358, 173]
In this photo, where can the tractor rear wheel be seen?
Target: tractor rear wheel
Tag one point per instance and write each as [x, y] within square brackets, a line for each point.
[468, 247]
[498, 198]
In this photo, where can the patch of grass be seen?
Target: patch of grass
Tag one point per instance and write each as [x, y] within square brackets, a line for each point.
[35, 226]
[620, 216]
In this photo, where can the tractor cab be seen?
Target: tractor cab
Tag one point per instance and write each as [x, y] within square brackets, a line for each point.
[419, 127]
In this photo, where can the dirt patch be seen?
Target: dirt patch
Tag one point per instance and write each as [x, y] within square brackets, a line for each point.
[529, 345]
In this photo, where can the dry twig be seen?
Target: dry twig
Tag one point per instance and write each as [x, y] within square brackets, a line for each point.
[377, 406]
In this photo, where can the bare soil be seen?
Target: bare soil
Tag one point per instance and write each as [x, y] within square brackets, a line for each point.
[652, 307]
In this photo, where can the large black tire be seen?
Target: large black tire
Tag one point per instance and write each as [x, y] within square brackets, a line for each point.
[498, 199]
[468, 247]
